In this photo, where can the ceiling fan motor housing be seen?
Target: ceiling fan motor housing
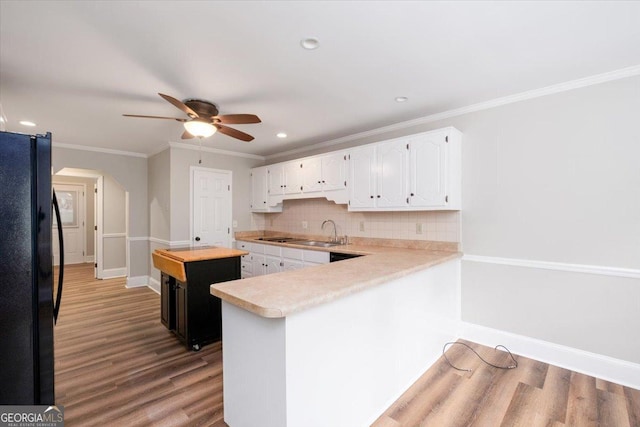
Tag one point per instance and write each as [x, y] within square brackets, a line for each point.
[205, 109]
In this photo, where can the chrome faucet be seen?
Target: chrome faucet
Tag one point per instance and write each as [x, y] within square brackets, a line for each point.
[335, 232]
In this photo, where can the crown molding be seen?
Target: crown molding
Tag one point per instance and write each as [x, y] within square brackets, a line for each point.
[535, 93]
[98, 150]
[215, 150]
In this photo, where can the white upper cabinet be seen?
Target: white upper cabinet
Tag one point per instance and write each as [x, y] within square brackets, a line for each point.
[334, 171]
[429, 166]
[378, 176]
[312, 174]
[285, 178]
[362, 177]
[259, 191]
[416, 172]
[392, 170]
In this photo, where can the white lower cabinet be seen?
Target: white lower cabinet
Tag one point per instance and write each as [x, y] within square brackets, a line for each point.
[268, 259]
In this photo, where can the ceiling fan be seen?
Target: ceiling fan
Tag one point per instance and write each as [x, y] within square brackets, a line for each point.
[204, 120]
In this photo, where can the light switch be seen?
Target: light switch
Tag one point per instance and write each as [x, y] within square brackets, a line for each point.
[305, 225]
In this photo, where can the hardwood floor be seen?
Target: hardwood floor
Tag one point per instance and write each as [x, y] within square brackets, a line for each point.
[116, 365]
[534, 394]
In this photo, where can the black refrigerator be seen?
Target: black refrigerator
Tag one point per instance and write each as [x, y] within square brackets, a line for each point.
[26, 272]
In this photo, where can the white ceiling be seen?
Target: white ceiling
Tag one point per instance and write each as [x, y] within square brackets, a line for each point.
[75, 67]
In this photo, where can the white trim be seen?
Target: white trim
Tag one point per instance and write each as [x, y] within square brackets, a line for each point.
[114, 272]
[596, 365]
[99, 196]
[530, 94]
[137, 281]
[89, 259]
[558, 266]
[98, 150]
[138, 238]
[113, 235]
[154, 285]
[166, 242]
[215, 150]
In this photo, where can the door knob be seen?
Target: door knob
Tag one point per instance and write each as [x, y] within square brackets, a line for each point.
[197, 239]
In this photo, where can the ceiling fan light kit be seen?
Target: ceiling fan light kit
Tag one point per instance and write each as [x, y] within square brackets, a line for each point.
[204, 120]
[200, 128]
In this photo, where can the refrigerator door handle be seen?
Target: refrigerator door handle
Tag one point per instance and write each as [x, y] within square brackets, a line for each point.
[56, 307]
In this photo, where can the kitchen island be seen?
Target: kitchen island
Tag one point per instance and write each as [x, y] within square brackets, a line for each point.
[335, 344]
[187, 308]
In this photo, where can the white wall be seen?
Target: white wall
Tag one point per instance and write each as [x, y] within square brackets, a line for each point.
[181, 162]
[131, 173]
[552, 179]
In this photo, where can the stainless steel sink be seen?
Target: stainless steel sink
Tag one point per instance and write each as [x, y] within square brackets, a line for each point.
[316, 243]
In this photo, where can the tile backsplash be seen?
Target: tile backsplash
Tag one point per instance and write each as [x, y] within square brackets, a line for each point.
[416, 225]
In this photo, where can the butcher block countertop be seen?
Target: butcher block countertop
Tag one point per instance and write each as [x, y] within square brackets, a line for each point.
[281, 294]
[171, 261]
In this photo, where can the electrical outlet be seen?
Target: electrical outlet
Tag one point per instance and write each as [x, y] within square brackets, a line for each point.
[418, 228]
[361, 225]
[235, 224]
[305, 225]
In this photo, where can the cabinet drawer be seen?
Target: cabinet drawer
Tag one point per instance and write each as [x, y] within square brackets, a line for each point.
[316, 256]
[245, 246]
[272, 250]
[292, 253]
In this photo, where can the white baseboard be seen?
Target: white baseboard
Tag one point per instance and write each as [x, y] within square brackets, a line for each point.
[137, 281]
[596, 365]
[90, 258]
[154, 285]
[114, 272]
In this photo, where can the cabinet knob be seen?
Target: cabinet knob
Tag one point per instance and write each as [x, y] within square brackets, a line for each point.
[197, 239]
[319, 182]
[412, 194]
[371, 197]
[378, 196]
[323, 181]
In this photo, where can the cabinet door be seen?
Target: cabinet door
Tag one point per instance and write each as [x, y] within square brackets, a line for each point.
[181, 310]
[272, 264]
[291, 264]
[362, 182]
[259, 189]
[292, 177]
[392, 174]
[334, 171]
[312, 175]
[428, 162]
[257, 264]
[167, 301]
[275, 179]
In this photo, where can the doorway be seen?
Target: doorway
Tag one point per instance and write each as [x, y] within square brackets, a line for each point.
[211, 214]
[71, 202]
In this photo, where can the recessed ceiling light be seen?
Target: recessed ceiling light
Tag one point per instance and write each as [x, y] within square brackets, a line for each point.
[401, 99]
[310, 43]
[281, 135]
[26, 123]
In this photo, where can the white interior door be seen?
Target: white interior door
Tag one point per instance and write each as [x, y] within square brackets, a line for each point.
[211, 207]
[71, 199]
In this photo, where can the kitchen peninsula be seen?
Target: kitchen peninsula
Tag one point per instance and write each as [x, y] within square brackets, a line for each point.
[187, 308]
[336, 344]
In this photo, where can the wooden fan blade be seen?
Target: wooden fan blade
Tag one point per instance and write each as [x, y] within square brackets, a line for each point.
[180, 105]
[186, 135]
[155, 117]
[234, 133]
[238, 119]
